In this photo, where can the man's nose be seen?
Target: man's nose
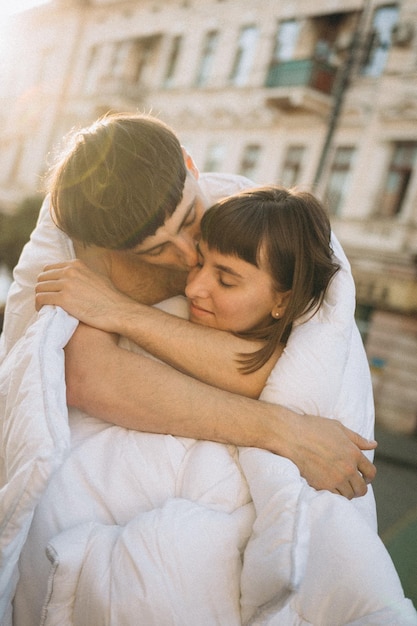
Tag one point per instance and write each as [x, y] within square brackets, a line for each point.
[197, 283]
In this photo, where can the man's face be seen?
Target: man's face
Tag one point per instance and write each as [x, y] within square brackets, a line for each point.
[174, 243]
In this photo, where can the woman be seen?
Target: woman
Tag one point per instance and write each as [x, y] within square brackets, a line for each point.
[265, 265]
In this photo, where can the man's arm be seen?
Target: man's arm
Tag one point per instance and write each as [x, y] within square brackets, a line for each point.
[207, 354]
[139, 393]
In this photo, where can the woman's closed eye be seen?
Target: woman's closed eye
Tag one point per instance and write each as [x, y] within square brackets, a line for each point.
[223, 281]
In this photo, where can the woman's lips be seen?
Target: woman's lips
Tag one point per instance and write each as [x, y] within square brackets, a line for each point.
[198, 311]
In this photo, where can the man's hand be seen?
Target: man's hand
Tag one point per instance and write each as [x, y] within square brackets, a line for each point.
[87, 295]
[329, 456]
[136, 392]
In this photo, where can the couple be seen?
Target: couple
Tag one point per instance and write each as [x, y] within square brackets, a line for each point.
[146, 248]
[265, 264]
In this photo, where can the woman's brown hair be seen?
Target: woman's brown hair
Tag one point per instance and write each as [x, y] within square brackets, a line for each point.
[288, 231]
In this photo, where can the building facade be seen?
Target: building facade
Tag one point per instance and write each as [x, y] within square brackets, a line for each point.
[321, 95]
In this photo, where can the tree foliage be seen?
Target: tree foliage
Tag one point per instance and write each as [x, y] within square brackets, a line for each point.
[15, 229]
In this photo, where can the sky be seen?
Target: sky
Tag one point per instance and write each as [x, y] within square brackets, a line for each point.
[8, 7]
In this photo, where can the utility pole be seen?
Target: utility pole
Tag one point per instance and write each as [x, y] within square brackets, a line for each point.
[342, 84]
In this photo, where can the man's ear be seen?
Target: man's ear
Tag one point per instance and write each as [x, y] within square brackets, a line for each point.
[280, 304]
[189, 163]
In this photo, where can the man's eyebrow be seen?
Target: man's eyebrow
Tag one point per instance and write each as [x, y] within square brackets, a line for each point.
[184, 219]
[186, 214]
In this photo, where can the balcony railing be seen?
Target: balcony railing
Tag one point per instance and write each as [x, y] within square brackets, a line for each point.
[302, 73]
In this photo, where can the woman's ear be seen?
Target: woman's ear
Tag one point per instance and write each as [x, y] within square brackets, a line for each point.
[281, 303]
[189, 164]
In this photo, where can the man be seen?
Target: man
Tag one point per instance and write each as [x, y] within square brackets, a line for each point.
[136, 219]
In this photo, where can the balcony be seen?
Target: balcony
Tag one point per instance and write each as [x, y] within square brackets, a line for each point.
[304, 84]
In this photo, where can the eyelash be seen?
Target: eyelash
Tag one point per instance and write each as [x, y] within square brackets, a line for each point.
[188, 222]
[200, 263]
[220, 281]
[223, 284]
[200, 259]
[190, 218]
[153, 253]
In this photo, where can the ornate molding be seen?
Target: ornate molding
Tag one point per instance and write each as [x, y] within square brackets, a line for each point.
[220, 117]
[404, 109]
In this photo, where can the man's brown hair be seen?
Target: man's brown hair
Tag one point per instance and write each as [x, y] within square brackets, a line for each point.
[119, 180]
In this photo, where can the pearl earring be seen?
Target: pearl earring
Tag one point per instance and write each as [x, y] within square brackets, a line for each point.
[276, 314]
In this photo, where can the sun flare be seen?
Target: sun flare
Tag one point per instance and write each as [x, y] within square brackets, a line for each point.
[8, 10]
[10, 7]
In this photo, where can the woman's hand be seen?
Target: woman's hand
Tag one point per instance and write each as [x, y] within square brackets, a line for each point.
[85, 294]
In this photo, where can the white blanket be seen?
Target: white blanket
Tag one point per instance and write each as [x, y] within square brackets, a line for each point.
[151, 529]
[118, 527]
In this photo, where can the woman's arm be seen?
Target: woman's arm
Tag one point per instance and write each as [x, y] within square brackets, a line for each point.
[205, 353]
[137, 392]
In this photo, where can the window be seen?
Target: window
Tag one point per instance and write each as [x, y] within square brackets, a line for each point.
[338, 178]
[292, 166]
[91, 72]
[215, 157]
[144, 50]
[397, 179]
[244, 55]
[207, 57]
[249, 162]
[172, 61]
[285, 41]
[118, 58]
[379, 41]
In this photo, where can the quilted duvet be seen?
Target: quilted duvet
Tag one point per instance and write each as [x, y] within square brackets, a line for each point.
[102, 525]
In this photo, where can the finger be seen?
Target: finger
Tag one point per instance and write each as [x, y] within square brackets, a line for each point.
[367, 469]
[358, 485]
[69, 263]
[44, 299]
[361, 442]
[57, 266]
[345, 490]
[47, 276]
[47, 286]
[59, 269]
[51, 274]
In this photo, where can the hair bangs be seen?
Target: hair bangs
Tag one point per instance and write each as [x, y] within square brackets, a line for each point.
[227, 228]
